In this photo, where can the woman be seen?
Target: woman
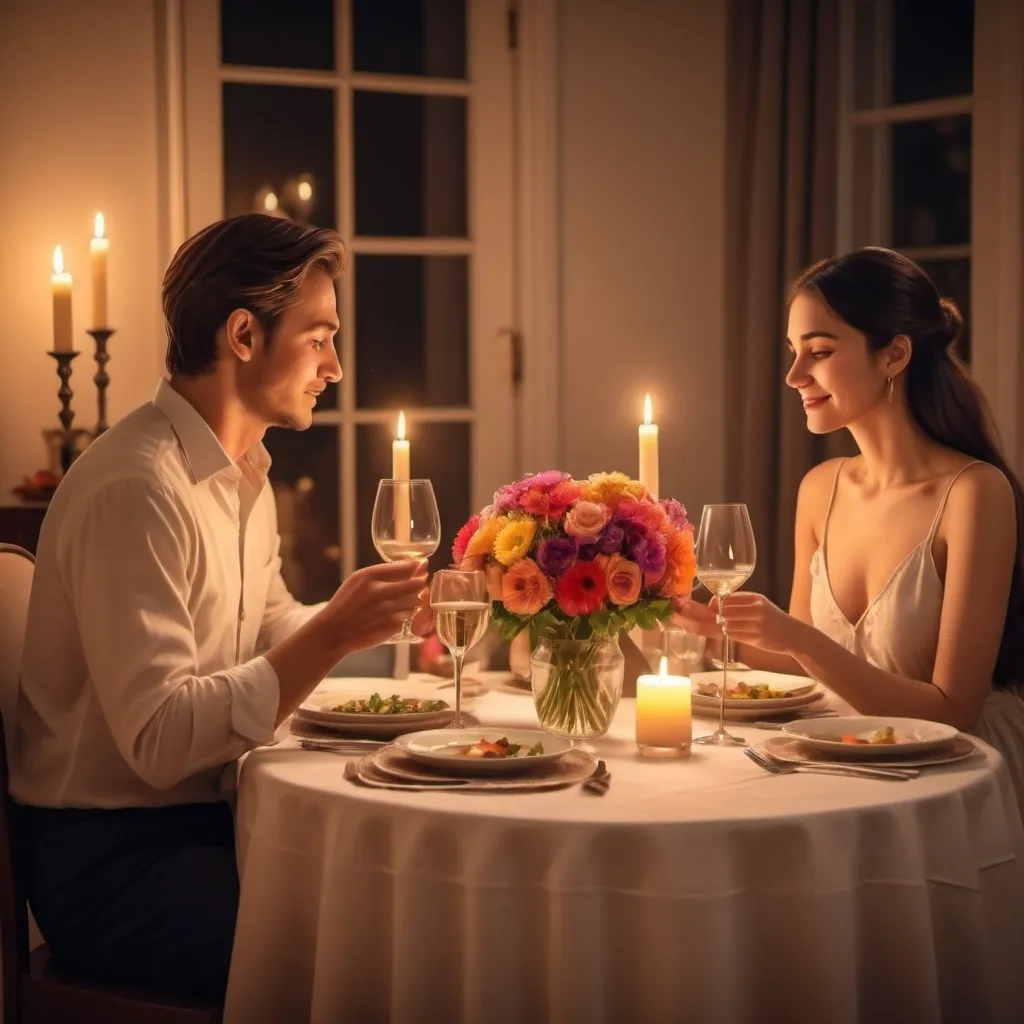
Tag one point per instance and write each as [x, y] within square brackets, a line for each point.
[907, 595]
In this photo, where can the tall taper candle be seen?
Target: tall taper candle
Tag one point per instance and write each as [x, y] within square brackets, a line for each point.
[62, 335]
[98, 249]
[400, 471]
[649, 450]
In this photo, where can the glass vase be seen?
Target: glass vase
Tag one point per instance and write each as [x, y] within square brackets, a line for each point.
[577, 685]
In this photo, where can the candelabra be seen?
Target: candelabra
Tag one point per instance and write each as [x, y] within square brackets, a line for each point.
[101, 335]
[65, 395]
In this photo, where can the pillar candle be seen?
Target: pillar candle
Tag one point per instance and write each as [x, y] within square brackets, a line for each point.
[649, 450]
[62, 336]
[98, 249]
[663, 711]
[400, 471]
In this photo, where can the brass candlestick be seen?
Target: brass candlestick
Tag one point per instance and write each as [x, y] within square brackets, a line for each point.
[65, 395]
[101, 335]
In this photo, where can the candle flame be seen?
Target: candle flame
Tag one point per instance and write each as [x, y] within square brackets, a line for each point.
[270, 202]
[401, 426]
[663, 670]
[648, 411]
[58, 260]
[99, 225]
[305, 191]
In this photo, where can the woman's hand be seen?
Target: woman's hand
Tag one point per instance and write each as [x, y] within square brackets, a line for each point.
[698, 618]
[753, 619]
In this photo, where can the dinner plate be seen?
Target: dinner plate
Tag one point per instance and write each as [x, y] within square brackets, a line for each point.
[441, 749]
[791, 750]
[915, 737]
[801, 688]
[316, 710]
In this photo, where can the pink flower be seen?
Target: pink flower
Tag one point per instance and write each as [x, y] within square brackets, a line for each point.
[462, 538]
[586, 520]
[623, 579]
[524, 588]
[582, 590]
[495, 573]
[547, 498]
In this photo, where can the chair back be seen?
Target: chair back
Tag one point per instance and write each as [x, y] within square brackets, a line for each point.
[16, 567]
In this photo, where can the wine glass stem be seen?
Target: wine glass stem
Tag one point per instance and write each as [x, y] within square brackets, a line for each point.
[457, 660]
[725, 664]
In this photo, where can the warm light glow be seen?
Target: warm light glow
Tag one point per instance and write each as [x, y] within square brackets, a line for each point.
[58, 260]
[270, 202]
[401, 426]
[663, 670]
[305, 191]
[648, 411]
[99, 226]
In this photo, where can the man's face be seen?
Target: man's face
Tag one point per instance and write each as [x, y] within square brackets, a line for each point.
[282, 382]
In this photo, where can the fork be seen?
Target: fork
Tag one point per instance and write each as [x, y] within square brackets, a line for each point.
[850, 771]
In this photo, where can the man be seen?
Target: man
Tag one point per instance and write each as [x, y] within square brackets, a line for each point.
[158, 579]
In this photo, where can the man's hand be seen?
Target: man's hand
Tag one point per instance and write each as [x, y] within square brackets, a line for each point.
[371, 605]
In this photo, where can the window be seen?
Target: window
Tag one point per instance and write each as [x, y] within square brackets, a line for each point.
[906, 139]
[391, 122]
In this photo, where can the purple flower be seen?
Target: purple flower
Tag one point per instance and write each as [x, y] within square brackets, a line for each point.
[676, 513]
[588, 552]
[610, 540]
[645, 547]
[556, 554]
[545, 480]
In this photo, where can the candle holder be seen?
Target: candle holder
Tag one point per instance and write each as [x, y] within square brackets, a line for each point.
[65, 394]
[101, 335]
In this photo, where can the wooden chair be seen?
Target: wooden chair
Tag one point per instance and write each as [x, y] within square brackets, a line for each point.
[34, 992]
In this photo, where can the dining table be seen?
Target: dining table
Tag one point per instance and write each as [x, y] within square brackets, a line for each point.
[702, 889]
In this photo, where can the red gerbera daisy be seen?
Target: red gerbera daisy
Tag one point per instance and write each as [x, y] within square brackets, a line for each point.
[582, 590]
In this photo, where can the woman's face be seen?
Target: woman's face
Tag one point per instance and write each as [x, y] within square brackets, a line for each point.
[836, 375]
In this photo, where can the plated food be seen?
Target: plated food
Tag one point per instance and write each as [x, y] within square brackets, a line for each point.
[372, 715]
[488, 752]
[375, 704]
[744, 691]
[501, 748]
[864, 738]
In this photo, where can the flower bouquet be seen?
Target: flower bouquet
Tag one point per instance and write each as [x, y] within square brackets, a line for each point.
[576, 562]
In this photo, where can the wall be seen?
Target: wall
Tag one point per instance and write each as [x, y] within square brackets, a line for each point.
[78, 134]
[642, 224]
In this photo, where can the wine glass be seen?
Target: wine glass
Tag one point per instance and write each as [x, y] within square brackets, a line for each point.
[406, 524]
[726, 556]
[459, 602]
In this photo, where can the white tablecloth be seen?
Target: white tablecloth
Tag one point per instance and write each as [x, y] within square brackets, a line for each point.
[703, 890]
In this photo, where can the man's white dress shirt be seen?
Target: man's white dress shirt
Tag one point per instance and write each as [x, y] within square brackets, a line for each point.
[158, 578]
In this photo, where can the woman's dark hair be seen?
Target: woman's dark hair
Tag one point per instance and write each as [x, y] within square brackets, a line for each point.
[254, 262]
[883, 294]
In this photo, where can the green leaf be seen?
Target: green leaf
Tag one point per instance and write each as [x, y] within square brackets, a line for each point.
[645, 620]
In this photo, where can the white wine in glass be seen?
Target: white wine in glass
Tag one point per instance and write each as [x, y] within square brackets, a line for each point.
[726, 556]
[459, 602]
[406, 525]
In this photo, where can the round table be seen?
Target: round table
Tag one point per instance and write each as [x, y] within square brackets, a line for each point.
[702, 890]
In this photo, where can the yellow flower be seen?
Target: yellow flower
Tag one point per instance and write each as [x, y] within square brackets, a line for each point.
[514, 541]
[607, 488]
[482, 542]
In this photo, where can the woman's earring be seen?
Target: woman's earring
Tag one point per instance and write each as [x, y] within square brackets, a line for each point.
[891, 390]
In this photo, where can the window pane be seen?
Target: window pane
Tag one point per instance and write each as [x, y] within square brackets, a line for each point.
[278, 33]
[911, 50]
[410, 37]
[933, 49]
[279, 152]
[438, 452]
[953, 279]
[412, 331]
[410, 164]
[931, 182]
[305, 481]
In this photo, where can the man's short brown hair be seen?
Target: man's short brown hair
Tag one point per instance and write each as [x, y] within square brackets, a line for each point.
[252, 262]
